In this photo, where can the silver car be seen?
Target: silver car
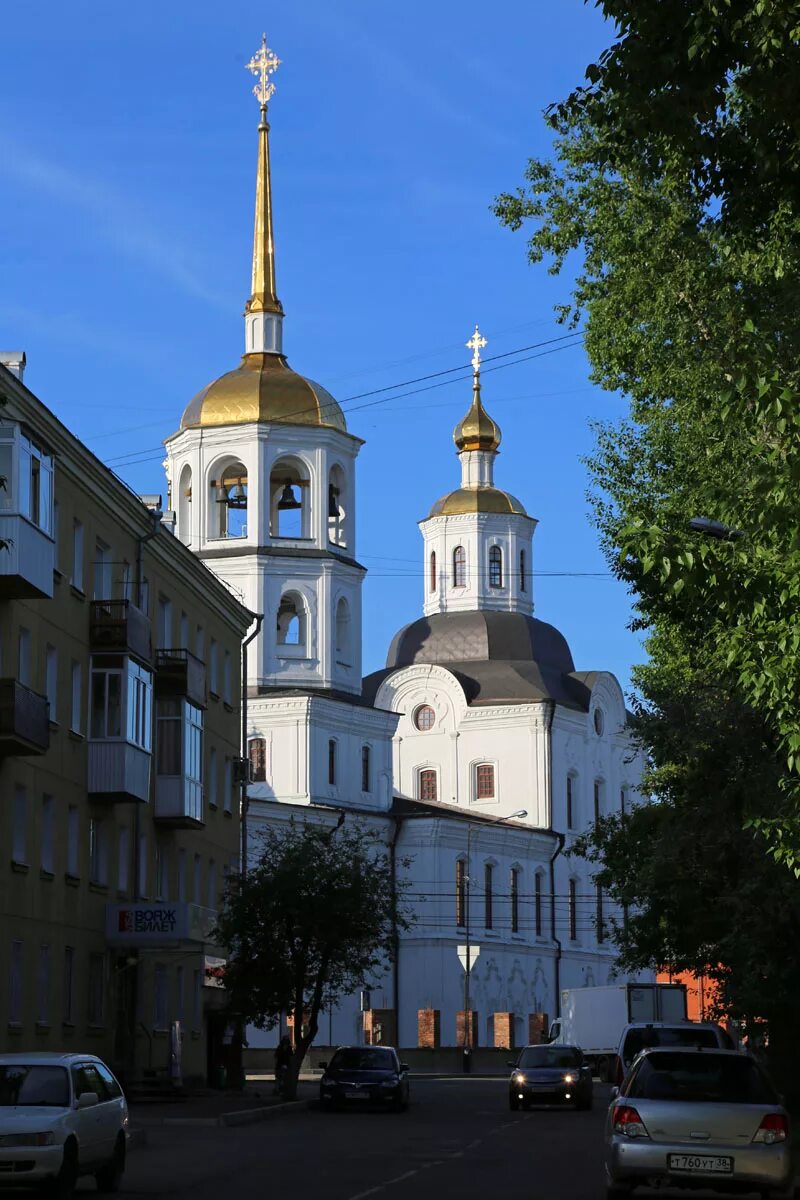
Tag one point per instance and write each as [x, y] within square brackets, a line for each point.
[700, 1118]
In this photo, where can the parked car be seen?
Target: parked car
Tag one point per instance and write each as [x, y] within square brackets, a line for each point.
[550, 1075]
[640, 1035]
[697, 1117]
[61, 1116]
[365, 1074]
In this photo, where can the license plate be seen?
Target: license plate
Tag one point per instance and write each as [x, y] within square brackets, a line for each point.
[543, 1087]
[354, 1094]
[713, 1164]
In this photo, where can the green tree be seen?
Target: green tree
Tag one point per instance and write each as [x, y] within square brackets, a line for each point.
[313, 920]
[676, 179]
[699, 892]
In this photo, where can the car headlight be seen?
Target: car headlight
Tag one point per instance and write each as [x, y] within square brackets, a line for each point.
[389, 1082]
[520, 1078]
[569, 1079]
[28, 1139]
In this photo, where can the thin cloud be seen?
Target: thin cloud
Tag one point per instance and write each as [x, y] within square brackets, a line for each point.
[113, 218]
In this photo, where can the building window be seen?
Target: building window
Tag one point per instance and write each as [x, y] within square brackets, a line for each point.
[75, 721]
[227, 694]
[123, 850]
[257, 749]
[227, 797]
[211, 883]
[162, 874]
[77, 555]
[459, 567]
[213, 668]
[428, 789]
[523, 582]
[515, 899]
[332, 762]
[213, 779]
[596, 800]
[366, 769]
[484, 781]
[98, 857]
[488, 897]
[184, 628]
[495, 567]
[51, 680]
[537, 903]
[180, 747]
[600, 922]
[461, 893]
[43, 986]
[164, 623]
[572, 907]
[424, 718]
[19, 833]
[570, 802]
[24, 657]
[599, 721]
[200, 643]
[433, 570]
[47, 840]
[160, 996]
[73, 865]
[142, 880]
[197, 879]
[15, 984]
[68, 986]
[344, 655]
[101, 584]
[106, 713]
[96, 989]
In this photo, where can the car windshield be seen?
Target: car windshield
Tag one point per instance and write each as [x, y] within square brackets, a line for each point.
[703, 1078]
[356, 1059]
[30, 1084]
[668, 1035]
[550, 1056]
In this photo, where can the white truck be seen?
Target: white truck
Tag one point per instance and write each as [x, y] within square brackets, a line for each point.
[594, 1017]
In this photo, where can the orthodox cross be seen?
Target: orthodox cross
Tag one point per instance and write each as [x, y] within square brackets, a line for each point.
[476, 344]
[264, 64]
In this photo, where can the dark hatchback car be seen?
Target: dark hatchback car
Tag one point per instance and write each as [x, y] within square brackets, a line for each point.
[366, 1075]
[550, 1075]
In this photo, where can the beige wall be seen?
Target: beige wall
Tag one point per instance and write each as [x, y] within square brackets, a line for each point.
[44, 903]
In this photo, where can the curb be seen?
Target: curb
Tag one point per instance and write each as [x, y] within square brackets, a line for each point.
[245, 1116]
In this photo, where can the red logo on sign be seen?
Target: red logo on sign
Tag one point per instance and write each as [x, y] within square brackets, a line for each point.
[125, 920]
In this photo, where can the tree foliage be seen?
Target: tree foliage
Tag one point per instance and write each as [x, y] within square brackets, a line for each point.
[676, 178]
[313, 920]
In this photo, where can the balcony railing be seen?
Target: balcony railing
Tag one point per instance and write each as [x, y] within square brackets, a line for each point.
[24, 719]
[181, 673]
[119, 627]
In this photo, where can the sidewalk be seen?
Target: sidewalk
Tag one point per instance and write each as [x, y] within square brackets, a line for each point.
[212, 1108]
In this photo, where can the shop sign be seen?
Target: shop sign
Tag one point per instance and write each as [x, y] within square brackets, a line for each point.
[146, 924]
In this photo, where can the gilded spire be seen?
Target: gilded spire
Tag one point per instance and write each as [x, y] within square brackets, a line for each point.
[263, 297]
[477, 431]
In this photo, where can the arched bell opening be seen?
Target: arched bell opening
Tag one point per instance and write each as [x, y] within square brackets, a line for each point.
[337, 507]
[228, 500]
[292, 626]
[290, 492]
[344, 656]
[184, 506]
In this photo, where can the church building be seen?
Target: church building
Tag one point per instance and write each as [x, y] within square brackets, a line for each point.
[478, 752]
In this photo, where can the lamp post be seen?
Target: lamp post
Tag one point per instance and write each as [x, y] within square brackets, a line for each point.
[715, 529]
[520, 814]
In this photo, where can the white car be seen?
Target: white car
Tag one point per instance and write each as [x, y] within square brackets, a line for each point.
[61, 1116]
[646, 1035]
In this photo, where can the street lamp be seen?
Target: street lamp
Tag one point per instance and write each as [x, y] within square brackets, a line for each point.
[520, 814]
[715, 529]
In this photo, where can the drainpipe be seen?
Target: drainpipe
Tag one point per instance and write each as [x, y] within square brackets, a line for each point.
[559, 847]
[398, 825]
[244, 801]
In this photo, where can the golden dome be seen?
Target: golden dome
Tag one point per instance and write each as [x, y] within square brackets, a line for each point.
[477, 431]
[263, 388]
[477, 499]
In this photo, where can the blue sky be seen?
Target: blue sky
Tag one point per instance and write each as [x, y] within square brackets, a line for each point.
[127, 160]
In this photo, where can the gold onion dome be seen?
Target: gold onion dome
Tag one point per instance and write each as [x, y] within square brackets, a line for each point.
[477, 499]
[263, 387]
[477, 431]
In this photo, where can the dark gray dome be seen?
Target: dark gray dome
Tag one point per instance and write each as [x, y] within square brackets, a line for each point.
[497, 657]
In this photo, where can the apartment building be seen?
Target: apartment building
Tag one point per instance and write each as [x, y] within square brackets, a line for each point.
[120, 729]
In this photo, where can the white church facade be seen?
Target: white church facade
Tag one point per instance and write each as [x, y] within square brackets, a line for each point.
[479, 753]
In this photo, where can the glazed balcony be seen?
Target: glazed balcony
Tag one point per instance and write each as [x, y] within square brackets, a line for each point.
[27, 558]
[24, 720]
[179, 802]
[182, 675]
[119, 627]
[119, 772]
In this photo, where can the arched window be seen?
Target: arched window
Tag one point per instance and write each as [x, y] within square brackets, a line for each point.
[461, 892]
[571, 801]
[495, 567]
[459, 567]
[292, 624]
[228, 500]
[337, 500]
[184, 506]
[522, 577]
[366, 769]
[488, 897]
[289, 490]
[332, 762]
[433, 570]
[424, 718]
[343, 633]
[537, 903]
[515, 899]
[484, 781]
[257, 751]
[572, 908]
[428, 789]
[598, 799]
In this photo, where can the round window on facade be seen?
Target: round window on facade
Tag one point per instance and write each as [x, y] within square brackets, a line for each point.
[424, 718]
[598, 721]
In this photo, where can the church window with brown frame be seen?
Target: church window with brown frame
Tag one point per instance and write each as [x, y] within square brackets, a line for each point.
[257, 750]
[459, 567]
[428, 789]
[484, 781]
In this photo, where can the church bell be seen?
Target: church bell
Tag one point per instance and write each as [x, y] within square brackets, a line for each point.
[288, 499]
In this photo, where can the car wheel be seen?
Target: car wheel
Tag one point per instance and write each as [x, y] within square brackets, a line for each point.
[513, 1103]
[109, 1177]
[63, 1186]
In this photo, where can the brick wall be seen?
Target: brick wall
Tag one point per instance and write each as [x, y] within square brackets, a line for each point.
[503, 1029]
[379, 1027]
[538, 1025]
[429, 1033]
[472, 1027]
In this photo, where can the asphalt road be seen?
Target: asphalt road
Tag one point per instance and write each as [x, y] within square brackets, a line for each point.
[458, 1139]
